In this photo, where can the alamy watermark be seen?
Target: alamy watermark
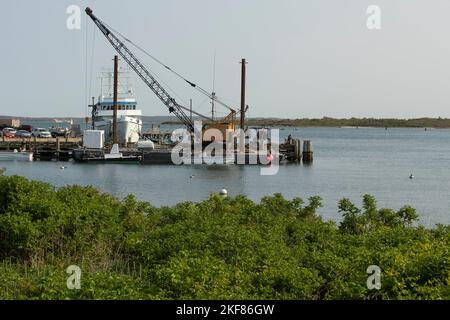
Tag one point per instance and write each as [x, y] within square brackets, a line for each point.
[228, 146]
[73, 22]
[74, 280]
[374, 279]
[374, 18]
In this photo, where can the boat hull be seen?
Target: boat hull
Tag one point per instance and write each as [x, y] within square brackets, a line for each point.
[10, 155]
[129, 129]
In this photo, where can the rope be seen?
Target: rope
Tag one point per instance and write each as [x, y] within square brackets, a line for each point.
[86, 70]
[160, 62]
[152, 73]
[92, 63]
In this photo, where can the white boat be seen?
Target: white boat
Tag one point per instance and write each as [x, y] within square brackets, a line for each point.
[129, 121]
[16, 155]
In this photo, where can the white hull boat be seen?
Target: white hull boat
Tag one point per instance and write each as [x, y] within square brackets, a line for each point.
[129, 123]
[16, 155]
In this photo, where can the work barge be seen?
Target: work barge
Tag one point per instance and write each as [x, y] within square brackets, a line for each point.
[288, 152]
[66, 149]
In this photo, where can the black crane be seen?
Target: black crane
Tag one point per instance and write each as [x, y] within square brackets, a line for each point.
[173, 106]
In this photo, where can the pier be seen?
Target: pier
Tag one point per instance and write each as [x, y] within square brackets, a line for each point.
[43, 148]
[64, 149]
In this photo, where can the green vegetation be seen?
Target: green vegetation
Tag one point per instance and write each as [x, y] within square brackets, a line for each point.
[221, 248]
[352, 122]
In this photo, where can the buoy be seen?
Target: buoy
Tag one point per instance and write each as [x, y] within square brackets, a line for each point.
[62, 167]
[269, 158]
[411, 176]
[223, 192]
[192, 176]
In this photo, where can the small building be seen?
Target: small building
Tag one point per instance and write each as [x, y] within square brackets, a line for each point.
[15, 123]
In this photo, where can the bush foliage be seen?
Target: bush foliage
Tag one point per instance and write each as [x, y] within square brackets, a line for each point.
[221, 248]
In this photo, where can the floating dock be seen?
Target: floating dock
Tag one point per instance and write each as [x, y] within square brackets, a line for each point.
[43, 148]
[288, 152]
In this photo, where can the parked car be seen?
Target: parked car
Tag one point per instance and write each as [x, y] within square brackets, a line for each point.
[59, 132]
[41, 133]
[23, 134]
[9, 132]
[26, 127]
[6, 134]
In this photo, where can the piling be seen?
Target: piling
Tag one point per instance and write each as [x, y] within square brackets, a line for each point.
[307, 151]
[116, 81]
[298, 154]
[297, 150]
[58, 148]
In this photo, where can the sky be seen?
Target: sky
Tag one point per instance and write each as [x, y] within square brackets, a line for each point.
[306, 59]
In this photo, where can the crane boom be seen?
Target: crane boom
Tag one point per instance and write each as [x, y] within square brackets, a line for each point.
[145, 75]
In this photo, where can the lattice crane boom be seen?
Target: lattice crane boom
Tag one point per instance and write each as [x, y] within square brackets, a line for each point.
[145, 75]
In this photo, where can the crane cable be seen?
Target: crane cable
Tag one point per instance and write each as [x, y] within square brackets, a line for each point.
[167, 67]
[92, 62]
[148, 54]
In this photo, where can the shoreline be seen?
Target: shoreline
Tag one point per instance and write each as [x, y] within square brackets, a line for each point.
[326, 126]
[421, 123]
[325, 122]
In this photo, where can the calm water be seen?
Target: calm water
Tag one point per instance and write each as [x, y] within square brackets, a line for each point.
[348, 162]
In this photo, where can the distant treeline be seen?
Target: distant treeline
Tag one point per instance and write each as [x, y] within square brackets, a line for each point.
[305, 122]
[352, 122]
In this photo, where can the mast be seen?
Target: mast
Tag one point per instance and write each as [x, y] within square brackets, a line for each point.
[243, 71]
[190, 108]
[92, 115]
[213, 94]
[116, 84]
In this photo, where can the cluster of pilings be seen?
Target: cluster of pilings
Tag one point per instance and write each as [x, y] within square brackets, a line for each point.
[292, 151]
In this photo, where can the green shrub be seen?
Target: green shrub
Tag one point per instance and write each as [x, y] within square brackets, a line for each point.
[220, 248]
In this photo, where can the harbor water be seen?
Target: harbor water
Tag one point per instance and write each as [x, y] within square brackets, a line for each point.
[348, 162]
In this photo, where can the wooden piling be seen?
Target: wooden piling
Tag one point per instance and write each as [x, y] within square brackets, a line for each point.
[58, 148]
[297, 150]
[307, 151]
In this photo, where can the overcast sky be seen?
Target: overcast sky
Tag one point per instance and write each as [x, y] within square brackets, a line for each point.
[306, 58]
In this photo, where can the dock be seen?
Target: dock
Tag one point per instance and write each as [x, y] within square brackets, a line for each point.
[65, 149]
[291, 152]
[59, 148]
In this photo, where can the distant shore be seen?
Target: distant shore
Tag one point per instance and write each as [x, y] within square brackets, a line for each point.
[440, 123]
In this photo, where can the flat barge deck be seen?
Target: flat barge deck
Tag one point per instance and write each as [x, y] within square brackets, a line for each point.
[65, 149]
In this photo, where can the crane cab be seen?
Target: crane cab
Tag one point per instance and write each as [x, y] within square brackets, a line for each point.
[217, 131]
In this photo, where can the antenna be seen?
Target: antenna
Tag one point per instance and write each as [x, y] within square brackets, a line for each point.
[213, 94]
[243, 109]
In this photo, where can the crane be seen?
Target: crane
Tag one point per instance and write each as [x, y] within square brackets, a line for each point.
[173, 106]
[227, 123]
